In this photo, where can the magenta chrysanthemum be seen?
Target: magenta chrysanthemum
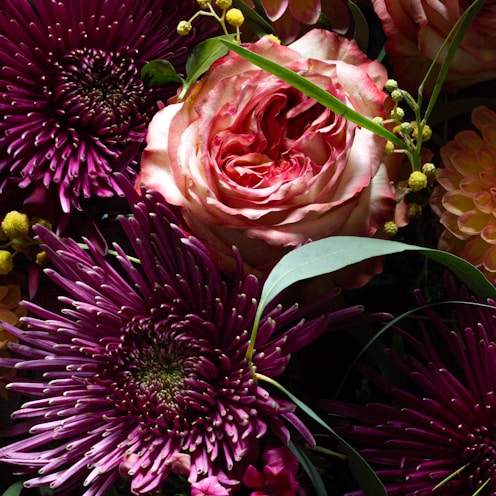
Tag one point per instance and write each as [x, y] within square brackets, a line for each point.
[73, 107]
[148, 359]
[438, 437]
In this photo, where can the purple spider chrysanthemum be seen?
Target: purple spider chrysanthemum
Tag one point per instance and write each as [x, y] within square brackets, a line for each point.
[148, 359]
[439, 437]
[73, 107]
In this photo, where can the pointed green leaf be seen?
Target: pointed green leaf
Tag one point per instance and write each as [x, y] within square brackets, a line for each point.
[202, 57]
[361, 31]
[14, 490]
[159, 73]
[330, 254]
[313, 474]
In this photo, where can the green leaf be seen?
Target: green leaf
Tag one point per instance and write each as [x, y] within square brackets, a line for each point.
[316, 92]
[14, 490]
[259, 8]
[363, 473]
[202, 57]
[308, 466]
[259, 24]
[330, 254]
[159, 73]
[361, 27]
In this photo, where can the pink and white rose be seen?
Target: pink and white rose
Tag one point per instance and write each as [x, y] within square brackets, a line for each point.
[416, 29]
[255, 163]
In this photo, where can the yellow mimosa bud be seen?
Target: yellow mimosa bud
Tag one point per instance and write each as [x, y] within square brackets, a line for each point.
[417, 181]
[398, 114]
[184, 28]
[426, 133]
[414, 210]
[429, 170]
[16, 225]
[6, 262]
[235, 17]
[406, 128]
[223, 4]
[397, 95]
[390, 228]
[391, 85]
[41, 258]
[389, 148]
[273, 37]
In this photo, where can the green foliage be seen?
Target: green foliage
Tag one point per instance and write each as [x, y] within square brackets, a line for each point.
[331, 254]
[14, 490]
[361, 27]
[309, 467]
[202, 57]
[328, 255]
[159, 73]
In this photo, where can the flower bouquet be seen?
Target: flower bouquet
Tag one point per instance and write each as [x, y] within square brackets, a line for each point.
[248, 247]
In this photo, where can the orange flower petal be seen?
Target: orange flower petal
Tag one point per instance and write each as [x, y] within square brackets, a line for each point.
[484, 202]
[489, 261]
[449, 179]
[489, 135]
[470, 185]
[450, 222]
[483, 116]
[457, 202]
[488, 234]
[475, 251]
[472, 222]
[467, 140]
[10, 296]
[466, 163]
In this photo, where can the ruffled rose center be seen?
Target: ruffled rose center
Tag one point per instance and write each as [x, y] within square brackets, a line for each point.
[99, 95]
[281, 137]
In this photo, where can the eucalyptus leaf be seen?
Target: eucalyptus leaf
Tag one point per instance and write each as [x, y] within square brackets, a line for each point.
[160, 72]
[330, 254]
[363, 473]
[316, 92]
[202, 57]
[14, 490]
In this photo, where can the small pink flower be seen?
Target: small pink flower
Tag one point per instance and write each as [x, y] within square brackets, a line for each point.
[127, 463]
[209, 486]
[277, 477]
[181, 463]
